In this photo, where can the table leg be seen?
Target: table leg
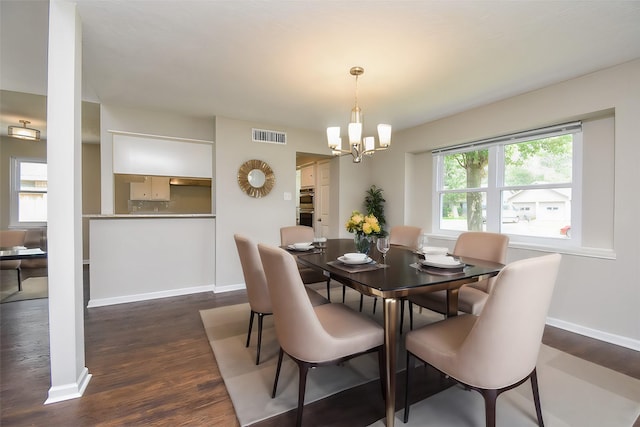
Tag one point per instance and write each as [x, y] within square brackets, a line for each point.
[452, 302]
[390, 311]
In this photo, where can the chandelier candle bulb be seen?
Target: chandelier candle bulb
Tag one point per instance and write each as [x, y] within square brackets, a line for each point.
[357, 145]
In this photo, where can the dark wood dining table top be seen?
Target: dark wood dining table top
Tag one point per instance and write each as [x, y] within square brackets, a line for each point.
[399, 278]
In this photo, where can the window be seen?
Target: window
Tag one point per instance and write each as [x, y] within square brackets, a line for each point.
[28, 192]
[526, 185]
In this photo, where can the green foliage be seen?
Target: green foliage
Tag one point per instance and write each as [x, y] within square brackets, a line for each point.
[542, 160]
[374, 204]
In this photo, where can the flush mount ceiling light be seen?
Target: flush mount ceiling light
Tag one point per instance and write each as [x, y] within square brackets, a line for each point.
[358, 146]
[24, 132]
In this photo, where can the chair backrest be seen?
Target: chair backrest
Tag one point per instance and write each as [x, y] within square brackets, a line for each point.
[404, 235]
[296, 234]
[503, 345]
[8, 239]
[254, 277]
[298, 329]
[483, 245]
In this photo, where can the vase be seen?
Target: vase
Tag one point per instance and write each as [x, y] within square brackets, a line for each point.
[363, 243]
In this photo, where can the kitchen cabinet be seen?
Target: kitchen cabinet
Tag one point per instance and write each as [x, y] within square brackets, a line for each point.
[308, 176]
[153, 188]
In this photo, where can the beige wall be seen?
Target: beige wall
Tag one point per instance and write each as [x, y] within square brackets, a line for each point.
[90, 190]
[595, 295]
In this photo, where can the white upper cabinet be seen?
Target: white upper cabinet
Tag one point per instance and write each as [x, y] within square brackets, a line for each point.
[308, 176]
[153, 188]
[149, 155]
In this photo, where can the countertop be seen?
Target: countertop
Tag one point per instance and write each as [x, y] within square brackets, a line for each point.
[147, 216]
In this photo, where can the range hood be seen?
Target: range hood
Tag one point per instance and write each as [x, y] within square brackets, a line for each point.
[198, 182]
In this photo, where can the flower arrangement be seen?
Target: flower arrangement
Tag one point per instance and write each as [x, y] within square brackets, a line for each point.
[362, 224]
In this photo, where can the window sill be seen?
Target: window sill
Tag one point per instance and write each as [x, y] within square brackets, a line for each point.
[586, 252]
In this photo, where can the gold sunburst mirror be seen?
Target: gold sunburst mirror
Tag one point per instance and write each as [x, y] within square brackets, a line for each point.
[256, 178]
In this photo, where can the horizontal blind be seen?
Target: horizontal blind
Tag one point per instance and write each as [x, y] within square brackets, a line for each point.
[513, 138]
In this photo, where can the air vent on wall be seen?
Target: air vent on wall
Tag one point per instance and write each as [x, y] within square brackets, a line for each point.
[269, 136]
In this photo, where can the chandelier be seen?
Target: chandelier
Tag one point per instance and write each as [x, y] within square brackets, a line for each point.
[358, 146]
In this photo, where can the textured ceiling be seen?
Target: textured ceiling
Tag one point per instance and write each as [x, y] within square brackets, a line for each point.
[287, 62]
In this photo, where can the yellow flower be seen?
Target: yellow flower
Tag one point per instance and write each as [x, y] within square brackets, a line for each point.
[359, 223]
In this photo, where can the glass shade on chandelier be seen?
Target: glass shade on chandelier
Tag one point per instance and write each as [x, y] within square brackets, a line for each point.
[358, 146]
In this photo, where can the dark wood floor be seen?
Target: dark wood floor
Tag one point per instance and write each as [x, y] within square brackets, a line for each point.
[152, 365]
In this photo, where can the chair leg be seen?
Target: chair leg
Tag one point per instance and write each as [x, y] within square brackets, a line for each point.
[303, 370]
[406, 390]
[375, 301]
[250, 326]
[260, 318]
[361, 301]
[381, 367]
[19, 279]
[536, 396]
[490, 397]
[329, 289]
[410, 316]
[344, 291]
[275, 381]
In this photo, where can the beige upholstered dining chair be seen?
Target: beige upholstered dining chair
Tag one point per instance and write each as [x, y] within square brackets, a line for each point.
[498, 350]
[8, 239]
[404, 235]
[257, 290]
[299, 234]
[471, 297]
[313, 336]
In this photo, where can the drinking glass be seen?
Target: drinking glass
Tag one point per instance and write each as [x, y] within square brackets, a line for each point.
[383, 247]
[423, 242]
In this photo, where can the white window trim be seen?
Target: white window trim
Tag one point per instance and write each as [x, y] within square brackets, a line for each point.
[14, 191]
[495, 187]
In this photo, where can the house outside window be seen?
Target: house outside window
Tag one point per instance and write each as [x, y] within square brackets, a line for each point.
[526, 185]
[29, 187]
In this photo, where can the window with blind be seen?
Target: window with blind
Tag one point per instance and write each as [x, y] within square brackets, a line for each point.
[29, 192]
[526, 185]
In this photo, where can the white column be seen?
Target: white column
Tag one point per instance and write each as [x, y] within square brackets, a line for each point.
[69, 376]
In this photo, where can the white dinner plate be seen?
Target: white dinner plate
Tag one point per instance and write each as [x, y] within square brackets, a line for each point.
[306, 248]
[441, 261]
[434, 250]
[354, 261]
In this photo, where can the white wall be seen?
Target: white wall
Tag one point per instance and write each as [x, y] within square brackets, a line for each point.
[596, 297]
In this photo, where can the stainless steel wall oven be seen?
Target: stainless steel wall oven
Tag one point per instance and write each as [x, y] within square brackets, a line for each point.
[306, 207]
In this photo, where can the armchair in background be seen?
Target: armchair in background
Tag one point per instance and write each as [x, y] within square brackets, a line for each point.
[473, 296]
[299, 234]
[9, 239]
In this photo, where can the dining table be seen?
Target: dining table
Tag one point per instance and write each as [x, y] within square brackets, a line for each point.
[399, 276]
[20, 252]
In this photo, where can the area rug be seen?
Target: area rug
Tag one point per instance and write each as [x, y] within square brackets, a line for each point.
[250, 386]
[573, 392]
[32, 288]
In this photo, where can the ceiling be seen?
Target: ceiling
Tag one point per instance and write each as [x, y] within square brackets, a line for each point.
[286, 63]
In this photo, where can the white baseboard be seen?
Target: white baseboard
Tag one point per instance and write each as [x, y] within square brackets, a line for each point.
[230, 288]
[69, 391]
[594, 333]
[101, 302]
